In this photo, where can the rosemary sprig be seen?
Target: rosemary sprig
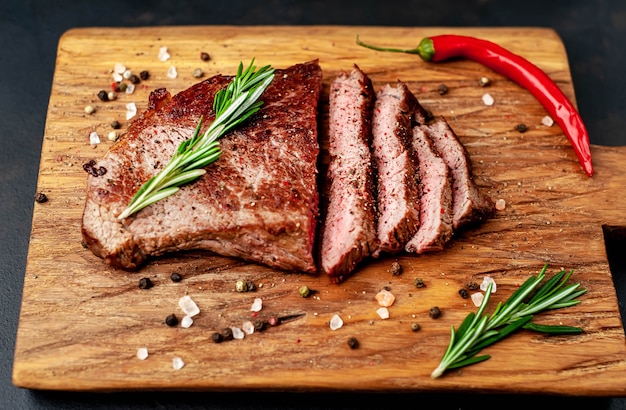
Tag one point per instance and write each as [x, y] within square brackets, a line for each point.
[232, 105]
[480, 330]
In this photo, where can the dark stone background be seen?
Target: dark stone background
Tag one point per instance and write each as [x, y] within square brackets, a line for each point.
[594, 34]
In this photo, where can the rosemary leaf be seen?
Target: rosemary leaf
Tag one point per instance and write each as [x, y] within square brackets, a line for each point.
[232, 105]
[480, 330]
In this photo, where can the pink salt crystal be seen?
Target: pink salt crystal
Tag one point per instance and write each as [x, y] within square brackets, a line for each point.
[385, 298]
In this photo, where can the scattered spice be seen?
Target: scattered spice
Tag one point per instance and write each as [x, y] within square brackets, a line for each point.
[142, 353]
[259, 325]
[434, 312]
[205, 56]
[177, 363]
[176, 277]
[186, 322]
[472, 285]
[41, 198]
[227, 333]
[103, 95]
[484, 81]
[353, 343]
[336, 322]
[171, 320]
[273, 321]
[419, 283]
[111, 95]
[304, 291]
[396, 268]
[90, 109]
[500, 204]
[144, 75]
[217, 337]
[197, 73]
[171, 72]
[464, 293]
[94, 138]
[145, 283]
[415, 326]
[134, 79]
[442, 89]
[122, 87]
[488, 99]
[383, 312]
[385, 298]
[113, 136]
[547, 121]
[241, 286]
[521, 128]
[188, 306]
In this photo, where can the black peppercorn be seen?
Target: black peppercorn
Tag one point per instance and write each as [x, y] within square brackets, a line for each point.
[134, 79]
[103, 95]
[116, 125]
[434, 312]
[443, 89]
[41, 198]
[464, 293]
[216, 337]
[353, 343]
[396, 268]
[419, 283]
[144, 75]
[175, 277]
[472, 285]
[171, 320]
[205, 56]
[145, 283]
[521, 128]
[259, 325]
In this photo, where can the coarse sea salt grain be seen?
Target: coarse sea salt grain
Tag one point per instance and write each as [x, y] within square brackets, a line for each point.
[486, 281]
[186, 321]
[171, 72]
[547, 121]
[164, 55]
[237, 333]
[477, 298]
[117, 77]
[94, 138]
[336, 322]
[188, 306]
[383, 312]
[142, 353]
[177, 363]
[119, 68]
[385, 298]
[488, 99]
[257, 305]
[248, 327]
[130, 88]
[131, 110]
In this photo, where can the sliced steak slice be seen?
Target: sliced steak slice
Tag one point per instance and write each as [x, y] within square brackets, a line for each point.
[259, 201]
[435, 206]
[469, 203]
[397, 193]
[349, 229]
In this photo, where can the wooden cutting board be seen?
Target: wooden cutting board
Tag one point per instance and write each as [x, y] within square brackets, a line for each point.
[82, 322]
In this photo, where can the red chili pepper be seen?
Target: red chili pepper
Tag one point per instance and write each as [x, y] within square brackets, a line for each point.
[516, 68]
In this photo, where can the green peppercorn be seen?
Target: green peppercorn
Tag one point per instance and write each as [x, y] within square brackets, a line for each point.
[415, 326]
[419, 283]
[304, 291]
[198, 73]
[241, 286]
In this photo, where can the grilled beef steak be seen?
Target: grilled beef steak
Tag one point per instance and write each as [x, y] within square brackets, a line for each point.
[397, 193]
[468, 203]
[349, 229]
[435, 204]
[259, 201]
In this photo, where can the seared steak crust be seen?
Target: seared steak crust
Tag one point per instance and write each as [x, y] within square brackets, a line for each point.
[349, 229]
[259, 201]
[397, 193]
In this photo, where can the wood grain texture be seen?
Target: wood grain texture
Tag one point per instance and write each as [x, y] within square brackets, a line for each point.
[82, 322]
